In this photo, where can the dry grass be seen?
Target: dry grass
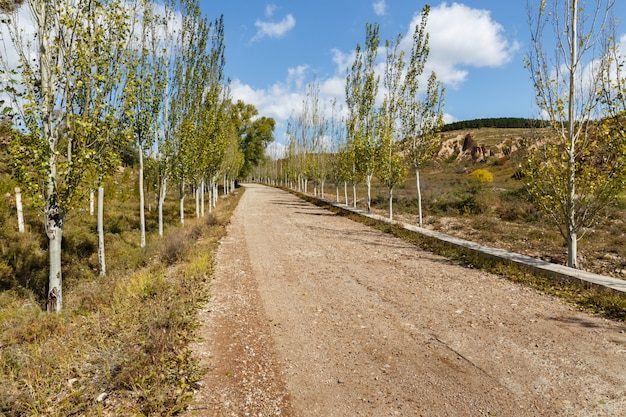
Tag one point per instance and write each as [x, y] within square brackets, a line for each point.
[120, 346]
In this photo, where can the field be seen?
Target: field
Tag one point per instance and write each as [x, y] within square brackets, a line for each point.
[497, 213]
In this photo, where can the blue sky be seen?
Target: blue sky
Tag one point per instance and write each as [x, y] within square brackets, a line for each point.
[274, 48]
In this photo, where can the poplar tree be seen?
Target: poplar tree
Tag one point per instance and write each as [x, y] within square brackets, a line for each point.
[144, 91]
[574, 174]
[58, 109]
[422, 111]
[390, 168]
[361, 91]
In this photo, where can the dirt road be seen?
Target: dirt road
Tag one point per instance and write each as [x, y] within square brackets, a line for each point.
[315, 315]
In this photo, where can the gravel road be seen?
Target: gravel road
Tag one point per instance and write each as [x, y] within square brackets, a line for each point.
[315, 315]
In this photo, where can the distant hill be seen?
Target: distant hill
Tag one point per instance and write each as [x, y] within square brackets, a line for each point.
[500, 122]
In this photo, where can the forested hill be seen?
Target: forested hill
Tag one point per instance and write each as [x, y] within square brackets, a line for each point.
[501, 122]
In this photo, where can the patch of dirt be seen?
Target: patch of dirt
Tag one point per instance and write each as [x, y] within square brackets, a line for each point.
[315, 315]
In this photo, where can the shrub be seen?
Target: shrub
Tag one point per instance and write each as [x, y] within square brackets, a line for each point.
[173, 247]
[482, 175]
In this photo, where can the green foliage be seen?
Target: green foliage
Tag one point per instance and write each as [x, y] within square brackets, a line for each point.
[254, 134]
[499, 122]
[361, 89]
[482, 175]
[581, 168]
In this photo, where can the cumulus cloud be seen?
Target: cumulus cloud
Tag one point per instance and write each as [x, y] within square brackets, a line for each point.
[274, 29]
[380, 7]
[462, 37]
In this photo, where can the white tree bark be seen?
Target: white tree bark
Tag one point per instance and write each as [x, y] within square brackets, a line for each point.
[210, 196]
[419, 196]
[391, 204]
[181, 202]
[55, 289]
[142, 214]
[198, 192]
[20, 210]
[162, 194]
[91, 202]
[368, 180]
[101, 257]
[203, 185]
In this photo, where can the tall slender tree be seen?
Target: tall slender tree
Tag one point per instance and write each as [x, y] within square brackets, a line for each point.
[144, 91]
[574, 174]
[390, 168]
[422, 112]
[361, 90]
[55, 107]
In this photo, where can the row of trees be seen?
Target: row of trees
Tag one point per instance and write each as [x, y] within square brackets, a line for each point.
[371, 139]
[96, 76]
[577, 72]
[497, 122]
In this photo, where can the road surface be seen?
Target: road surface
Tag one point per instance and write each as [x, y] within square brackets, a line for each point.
[313, 314]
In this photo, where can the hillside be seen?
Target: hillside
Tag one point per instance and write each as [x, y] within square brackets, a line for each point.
[500, 213]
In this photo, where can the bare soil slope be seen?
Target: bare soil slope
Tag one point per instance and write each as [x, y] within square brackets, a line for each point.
[315, 315]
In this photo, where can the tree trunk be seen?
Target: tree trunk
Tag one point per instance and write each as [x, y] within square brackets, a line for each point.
[210, 196]
[572, 250]
[162, 194]
[354, 195]
[20, 210]
[54, 231]
[55, 220]
[368, 179]
[202, 186]
[571, 166]
[54, 215]
[419, 196]
[197, 198]
[390, 203]
[345, 191]
[101, 258]
[91, 202]
[142, 214]
[182, 202]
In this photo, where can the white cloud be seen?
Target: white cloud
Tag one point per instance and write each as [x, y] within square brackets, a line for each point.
[274, 29]
[283, 100]
[462, 37]
[276, 150]
[269, 10]
[296, 76]
[380, 7]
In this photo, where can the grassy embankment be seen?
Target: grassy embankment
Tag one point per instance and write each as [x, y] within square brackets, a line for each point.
[121, 344]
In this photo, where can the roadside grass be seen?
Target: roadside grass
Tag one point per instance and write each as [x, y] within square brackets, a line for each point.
[590, 298]
[121, 344]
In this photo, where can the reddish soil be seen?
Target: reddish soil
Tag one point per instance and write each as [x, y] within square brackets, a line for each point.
[315, 315]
